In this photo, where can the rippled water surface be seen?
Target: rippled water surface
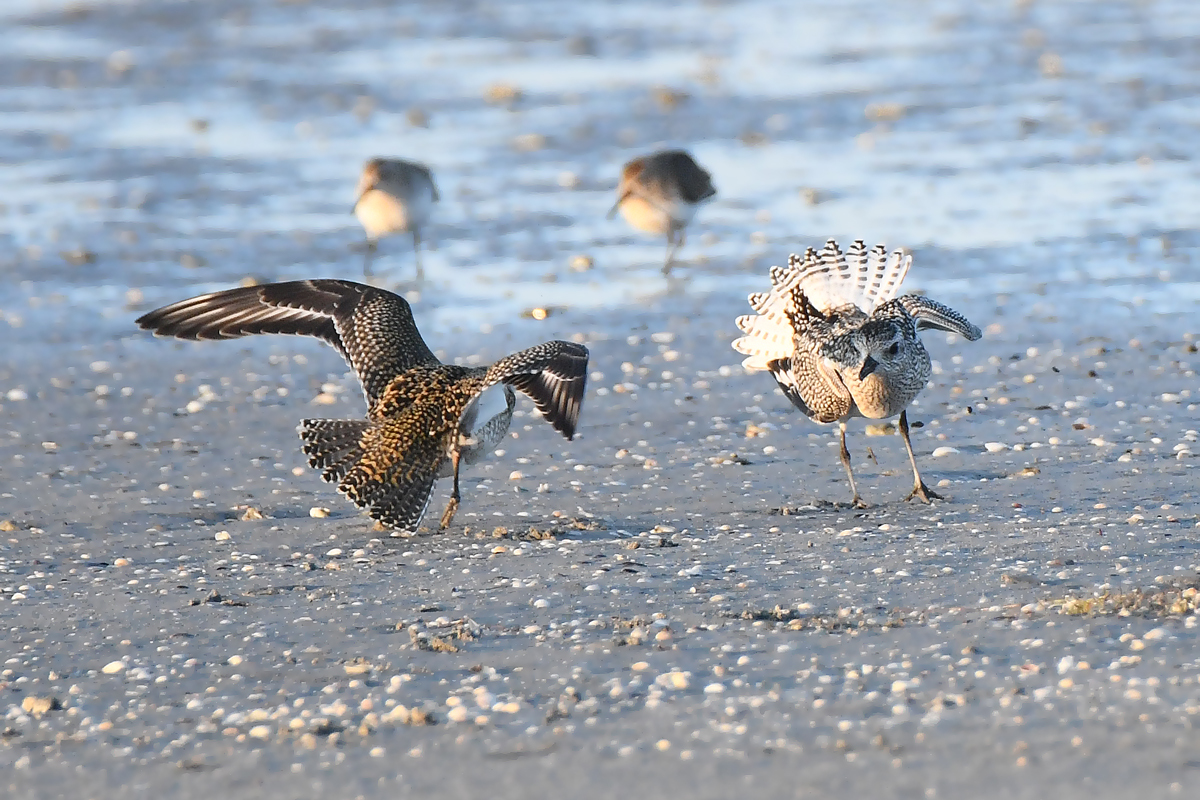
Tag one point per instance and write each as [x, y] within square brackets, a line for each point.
[1040, 151]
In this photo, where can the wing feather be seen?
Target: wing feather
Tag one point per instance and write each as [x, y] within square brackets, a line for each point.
[553, 375]
[372, 328]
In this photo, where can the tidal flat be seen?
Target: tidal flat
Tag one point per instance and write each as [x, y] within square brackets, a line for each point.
[681, 599]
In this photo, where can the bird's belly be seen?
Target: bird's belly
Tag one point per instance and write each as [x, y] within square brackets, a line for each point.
[487, 420]
[876, 398]
[419, 206]
[645, 216]
[381, 214]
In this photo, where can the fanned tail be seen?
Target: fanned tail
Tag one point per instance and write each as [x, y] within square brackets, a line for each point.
[333, 445]
[827, 280]
[860, 278]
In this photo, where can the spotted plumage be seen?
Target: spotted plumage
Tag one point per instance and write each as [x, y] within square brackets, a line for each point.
[660, 193]
[424, 420]
[394, 196]
[841, 344]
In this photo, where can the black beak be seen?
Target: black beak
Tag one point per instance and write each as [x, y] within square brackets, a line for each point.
[612, 212]
[869, 365]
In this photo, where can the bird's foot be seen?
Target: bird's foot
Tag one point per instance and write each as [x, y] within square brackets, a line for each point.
[448, 514]
[858, 502]
[923, 492]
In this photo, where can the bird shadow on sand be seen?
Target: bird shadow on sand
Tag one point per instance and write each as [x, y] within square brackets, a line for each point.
[526, 530]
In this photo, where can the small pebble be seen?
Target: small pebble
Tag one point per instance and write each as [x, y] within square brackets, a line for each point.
[39, 706]
[113, 667]
[677, 680]
[319, 512]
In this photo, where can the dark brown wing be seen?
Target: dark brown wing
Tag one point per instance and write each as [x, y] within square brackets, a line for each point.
[553, 375]
[373, 329]
[678, 169]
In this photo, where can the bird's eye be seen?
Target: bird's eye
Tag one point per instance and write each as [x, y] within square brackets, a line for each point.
[894, 349]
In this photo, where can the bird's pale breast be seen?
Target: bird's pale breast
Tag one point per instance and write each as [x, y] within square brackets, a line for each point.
[381, 214]
[644, 215]
[881, 395]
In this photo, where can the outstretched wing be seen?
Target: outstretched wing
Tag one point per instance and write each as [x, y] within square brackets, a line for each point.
[372, 328]
[553, 375]
[932, 314]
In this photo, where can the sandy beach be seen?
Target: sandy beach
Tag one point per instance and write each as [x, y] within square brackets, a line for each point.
[681, 601]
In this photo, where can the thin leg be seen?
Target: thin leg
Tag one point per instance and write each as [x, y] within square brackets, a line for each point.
[919, 488]
[857, 501]
[674, 242]
[417, 250]
[452, 506]
[370, 253]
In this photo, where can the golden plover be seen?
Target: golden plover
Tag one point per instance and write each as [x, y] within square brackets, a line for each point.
[660, 193]
[394, 196]
[841, 344]
[424, 418]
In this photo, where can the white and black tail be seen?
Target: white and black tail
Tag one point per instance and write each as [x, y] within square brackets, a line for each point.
[829, 279]
[333, 446]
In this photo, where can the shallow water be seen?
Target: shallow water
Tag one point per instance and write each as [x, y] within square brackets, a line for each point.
[1032, 150]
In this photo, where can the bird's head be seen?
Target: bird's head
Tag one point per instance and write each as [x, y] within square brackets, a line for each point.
[880, 347]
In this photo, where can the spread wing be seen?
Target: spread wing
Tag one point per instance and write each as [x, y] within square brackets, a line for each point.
[372, 328]
[553, 375]
[932, 314]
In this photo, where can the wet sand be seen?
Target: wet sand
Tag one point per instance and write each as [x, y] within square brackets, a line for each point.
[680, 600]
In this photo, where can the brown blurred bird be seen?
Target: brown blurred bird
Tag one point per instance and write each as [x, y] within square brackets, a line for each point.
[660, 193]
[394, 196]
[424, 418]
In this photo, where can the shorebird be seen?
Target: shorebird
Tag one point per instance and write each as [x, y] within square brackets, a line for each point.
[841, 344]
[660, 193]
[424, 420]
[394, 196]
